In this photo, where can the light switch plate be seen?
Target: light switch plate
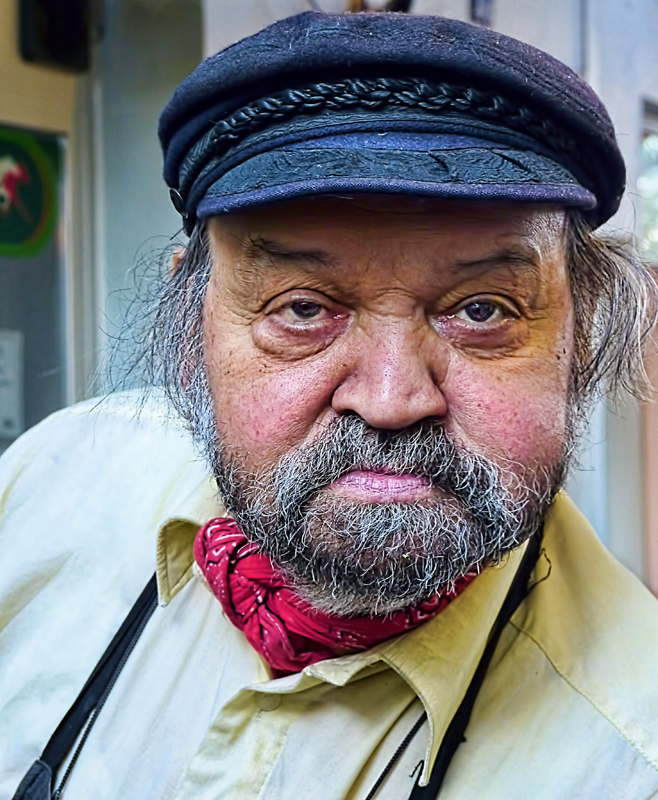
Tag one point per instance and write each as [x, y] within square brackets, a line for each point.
[11, 384]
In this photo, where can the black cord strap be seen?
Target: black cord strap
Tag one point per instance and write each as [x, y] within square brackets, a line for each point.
[37, 783]
[454, 736]
[396, 755]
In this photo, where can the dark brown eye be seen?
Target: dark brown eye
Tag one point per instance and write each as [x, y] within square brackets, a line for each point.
[305, 309]
[480, 311]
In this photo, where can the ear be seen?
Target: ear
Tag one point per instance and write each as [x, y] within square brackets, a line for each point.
[176, 257]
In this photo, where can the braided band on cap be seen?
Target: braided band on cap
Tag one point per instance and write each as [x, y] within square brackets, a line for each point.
[353, 94]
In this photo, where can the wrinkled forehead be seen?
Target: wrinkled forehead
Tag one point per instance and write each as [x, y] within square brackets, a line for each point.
[324, 230]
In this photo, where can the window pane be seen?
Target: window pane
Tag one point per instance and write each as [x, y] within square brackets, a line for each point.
[647, 185]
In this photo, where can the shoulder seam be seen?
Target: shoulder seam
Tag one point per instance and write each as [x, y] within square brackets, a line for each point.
[638, 749]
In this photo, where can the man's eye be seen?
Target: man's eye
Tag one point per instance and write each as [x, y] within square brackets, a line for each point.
[304, 309]
[480, 311]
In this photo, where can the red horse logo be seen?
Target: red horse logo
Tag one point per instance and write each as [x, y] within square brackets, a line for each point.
[12, 174]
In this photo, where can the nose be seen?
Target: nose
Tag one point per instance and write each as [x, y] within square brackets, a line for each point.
[397, 370]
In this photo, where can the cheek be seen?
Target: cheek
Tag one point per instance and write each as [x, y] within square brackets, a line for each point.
[518, 417]
[264, 415]
[261, 411]
[516, 408]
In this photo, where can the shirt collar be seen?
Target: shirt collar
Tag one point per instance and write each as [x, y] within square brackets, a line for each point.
[174, 558]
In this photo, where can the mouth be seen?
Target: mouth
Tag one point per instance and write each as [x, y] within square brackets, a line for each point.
[370, 486]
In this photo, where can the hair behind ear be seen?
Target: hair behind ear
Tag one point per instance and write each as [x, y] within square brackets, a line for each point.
[615, 299]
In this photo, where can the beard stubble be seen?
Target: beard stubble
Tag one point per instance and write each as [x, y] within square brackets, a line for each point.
[364, 559]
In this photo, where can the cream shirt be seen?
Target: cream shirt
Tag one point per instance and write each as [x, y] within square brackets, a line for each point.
[96, 497]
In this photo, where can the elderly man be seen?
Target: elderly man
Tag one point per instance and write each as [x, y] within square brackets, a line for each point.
[383, 337]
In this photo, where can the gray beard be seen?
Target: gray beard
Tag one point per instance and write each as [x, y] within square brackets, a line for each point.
[364, 559]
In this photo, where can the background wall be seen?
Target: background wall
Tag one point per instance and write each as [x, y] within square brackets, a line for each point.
[148, 47]
[47, 100]
[32, 96]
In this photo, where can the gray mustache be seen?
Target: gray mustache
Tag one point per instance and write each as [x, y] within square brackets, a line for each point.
[348, 444]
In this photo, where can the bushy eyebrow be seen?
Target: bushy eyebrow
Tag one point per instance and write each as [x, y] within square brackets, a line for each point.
[260, 253]
[520, 258]
[266, 252]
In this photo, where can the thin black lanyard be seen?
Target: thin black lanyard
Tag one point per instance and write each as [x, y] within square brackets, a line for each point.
[454, 735]
[80, 718]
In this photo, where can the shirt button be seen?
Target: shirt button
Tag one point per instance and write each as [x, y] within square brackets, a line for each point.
[269, 702]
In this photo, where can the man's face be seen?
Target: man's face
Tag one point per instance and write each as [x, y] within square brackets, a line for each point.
[332, 322]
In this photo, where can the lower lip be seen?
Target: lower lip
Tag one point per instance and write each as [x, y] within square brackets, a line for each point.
[378, 487]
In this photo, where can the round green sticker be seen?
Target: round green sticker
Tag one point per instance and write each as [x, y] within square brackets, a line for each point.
[27, 194]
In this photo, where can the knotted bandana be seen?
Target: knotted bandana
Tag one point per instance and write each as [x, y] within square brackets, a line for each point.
[286, 630]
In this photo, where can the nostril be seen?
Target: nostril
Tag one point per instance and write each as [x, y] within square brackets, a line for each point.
[385, 413]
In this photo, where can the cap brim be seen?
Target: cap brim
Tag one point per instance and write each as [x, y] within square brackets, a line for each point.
[455, 168]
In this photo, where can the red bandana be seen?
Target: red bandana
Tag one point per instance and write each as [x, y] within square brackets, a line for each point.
[287, 632]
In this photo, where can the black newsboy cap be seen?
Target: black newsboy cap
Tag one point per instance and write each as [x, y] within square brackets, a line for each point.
[386, 103]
